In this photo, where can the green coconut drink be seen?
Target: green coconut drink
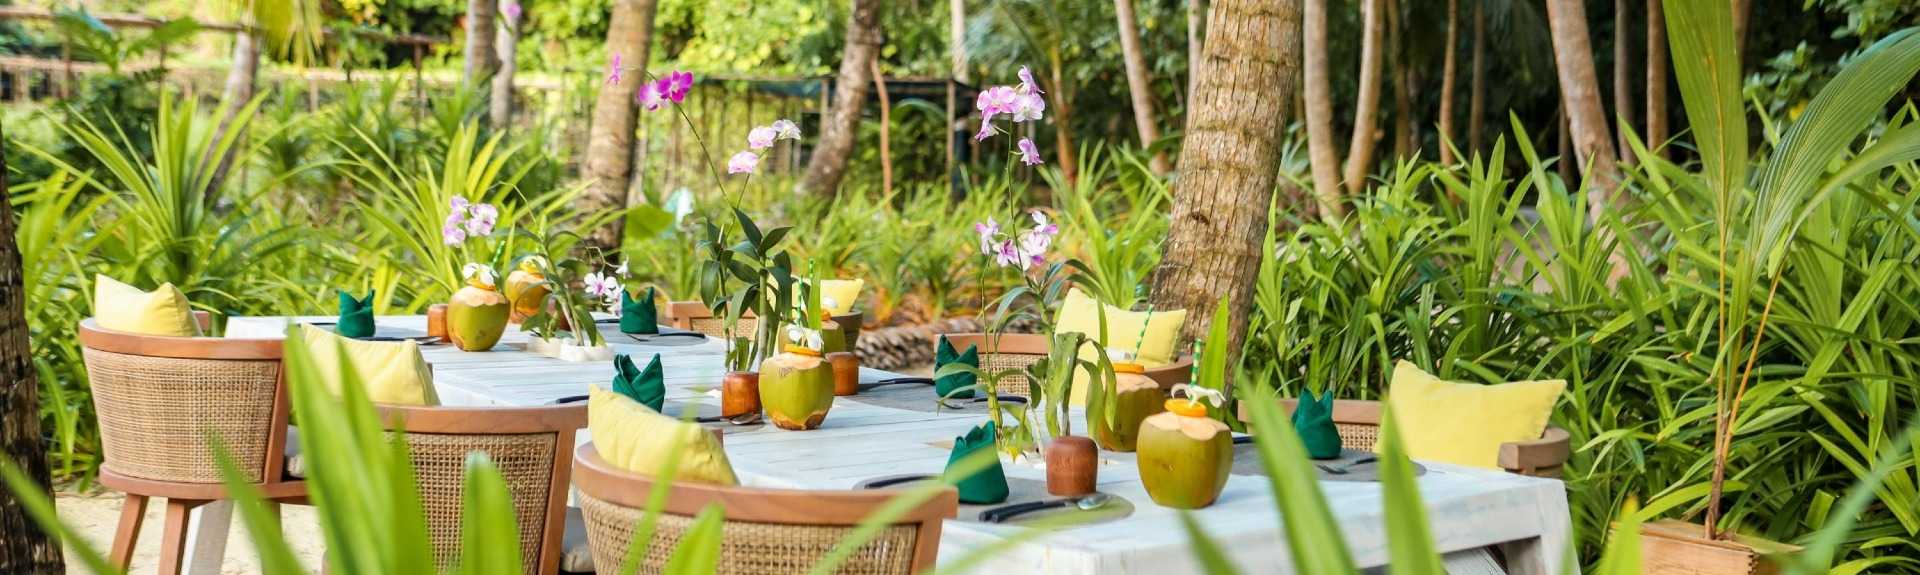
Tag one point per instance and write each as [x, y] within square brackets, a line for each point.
[1136, 397]
[1184, 455]
[526, 289]
[477, 314]
[796, 388]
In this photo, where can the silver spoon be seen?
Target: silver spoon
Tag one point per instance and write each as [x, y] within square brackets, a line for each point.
[1083, 503]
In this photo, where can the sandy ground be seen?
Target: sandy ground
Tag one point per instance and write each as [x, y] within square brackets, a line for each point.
[94, 516]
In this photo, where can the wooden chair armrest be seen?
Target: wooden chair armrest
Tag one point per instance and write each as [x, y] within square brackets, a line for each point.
[1549, 452]
[204, 320]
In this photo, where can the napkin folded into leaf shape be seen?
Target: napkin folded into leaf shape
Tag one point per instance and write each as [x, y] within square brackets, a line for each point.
[638, 316]
[356, 316]
[986, 486]
[647, 387]
[943, 355]
[1313, 420]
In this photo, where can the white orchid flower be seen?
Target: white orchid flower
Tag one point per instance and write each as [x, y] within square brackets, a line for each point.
[478, 272]
[1196, 393]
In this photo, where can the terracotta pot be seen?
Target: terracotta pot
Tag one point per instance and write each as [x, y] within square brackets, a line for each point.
[846, 372]
[1675, 547]
[1073, 466]
[437, 320]
[739, 393]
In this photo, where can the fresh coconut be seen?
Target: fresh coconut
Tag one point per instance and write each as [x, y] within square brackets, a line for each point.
[526, 288]
[477, 314]
[1136, 397]
[796, 388]
[1184, 455]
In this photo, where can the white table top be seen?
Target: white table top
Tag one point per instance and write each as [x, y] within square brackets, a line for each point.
[1468, 508]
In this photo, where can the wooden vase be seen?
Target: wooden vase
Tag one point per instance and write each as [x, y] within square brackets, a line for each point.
[1675, 547]
[846, 372]
[437, 320]
[1073, 466]
[739, 393]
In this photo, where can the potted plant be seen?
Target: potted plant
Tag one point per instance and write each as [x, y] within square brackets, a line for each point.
[562, 324]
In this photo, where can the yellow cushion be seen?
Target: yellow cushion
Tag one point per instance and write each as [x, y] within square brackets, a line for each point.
[1152, 347]
[844, 293]
[634, 438]
[1465, 423]
[392, 372]
[121, 307]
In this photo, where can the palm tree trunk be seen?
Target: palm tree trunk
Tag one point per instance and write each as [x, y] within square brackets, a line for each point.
[1366, 106]
[1447, 73]
[1138, 86]
[1742, 14]
[1657, 130]
[886, 128]
[24, 548]
[829, 163]
[1062, 119]
[481, 61]
[1402, 84]
[500, 106]
[1196, 41]
[1477, 92]
[238, 92]
[610, 138]
[1580, 94]
[1227, 178]
[1622, 76]
[1318, 89]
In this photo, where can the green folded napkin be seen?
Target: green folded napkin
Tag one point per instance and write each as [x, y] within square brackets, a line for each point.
[986, 486]
[944, 355]
[638, 316]
[1313, 420]
[646, 386]
[356, 316]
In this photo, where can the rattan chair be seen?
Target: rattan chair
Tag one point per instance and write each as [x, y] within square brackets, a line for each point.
[1019, 350]
[161, 401]
[767, 531]
[1358, 423]
[530, 446]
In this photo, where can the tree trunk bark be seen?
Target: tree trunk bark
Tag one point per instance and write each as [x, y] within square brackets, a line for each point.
[1062, 121]
[1622, 76]
[886, 128]
[1657, 131]
[1227, 178]
[1196, 42]
[829, 163]
[481, 60]
[1580, 95]
[1447, 75]
[1318, 89]
[1366, 106]
[1138, 86]
[500, 106]
[24, 548]
[1477, 91]
[1402, 84]
[238, 92]
[610, 138]
[957, 40]
[1742, 14]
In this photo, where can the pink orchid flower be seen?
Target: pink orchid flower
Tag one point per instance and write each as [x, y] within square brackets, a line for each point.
[785, 129]
[650, 97]
[987, 231]
[1027, 85]
[743, 163]
[1029, 108]
[762, 137]
[614, 72]
[676, 85]
[512, 11]
[1029, 155]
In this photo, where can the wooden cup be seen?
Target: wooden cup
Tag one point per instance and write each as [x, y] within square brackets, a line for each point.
[437, 320]
[739, 393]
[1073, 466]
[846, 372]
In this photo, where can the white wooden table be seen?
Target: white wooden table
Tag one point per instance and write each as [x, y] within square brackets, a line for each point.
[1469, 508]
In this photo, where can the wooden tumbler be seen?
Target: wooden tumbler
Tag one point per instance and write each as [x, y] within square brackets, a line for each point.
[437, 320]
[846, 372]
[739, 393]
[1073, 466]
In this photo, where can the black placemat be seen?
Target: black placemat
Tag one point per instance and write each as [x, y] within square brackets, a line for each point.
[1020, 490]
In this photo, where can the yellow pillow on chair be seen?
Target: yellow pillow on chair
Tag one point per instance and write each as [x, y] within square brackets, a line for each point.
[632, 437]
[1124, 331]
[121, 307]
[393, 372]
[1465, 423]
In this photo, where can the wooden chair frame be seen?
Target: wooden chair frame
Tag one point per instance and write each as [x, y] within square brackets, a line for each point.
[596, 478]
[1539, 458]
[563, 421]
[183, 497]
[1178, 372]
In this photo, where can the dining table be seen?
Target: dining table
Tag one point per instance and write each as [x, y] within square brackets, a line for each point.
[891, 430]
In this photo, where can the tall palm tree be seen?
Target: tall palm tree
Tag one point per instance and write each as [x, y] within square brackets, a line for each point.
[24, 548]
[1448, 72]
[610, 140]
[828, 166]
[1580, 95]
[1138, 86]
[481, 61]
[1234, 129]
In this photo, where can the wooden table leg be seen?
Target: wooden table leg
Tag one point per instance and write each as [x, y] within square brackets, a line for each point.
[132, 512]
[207, 537]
